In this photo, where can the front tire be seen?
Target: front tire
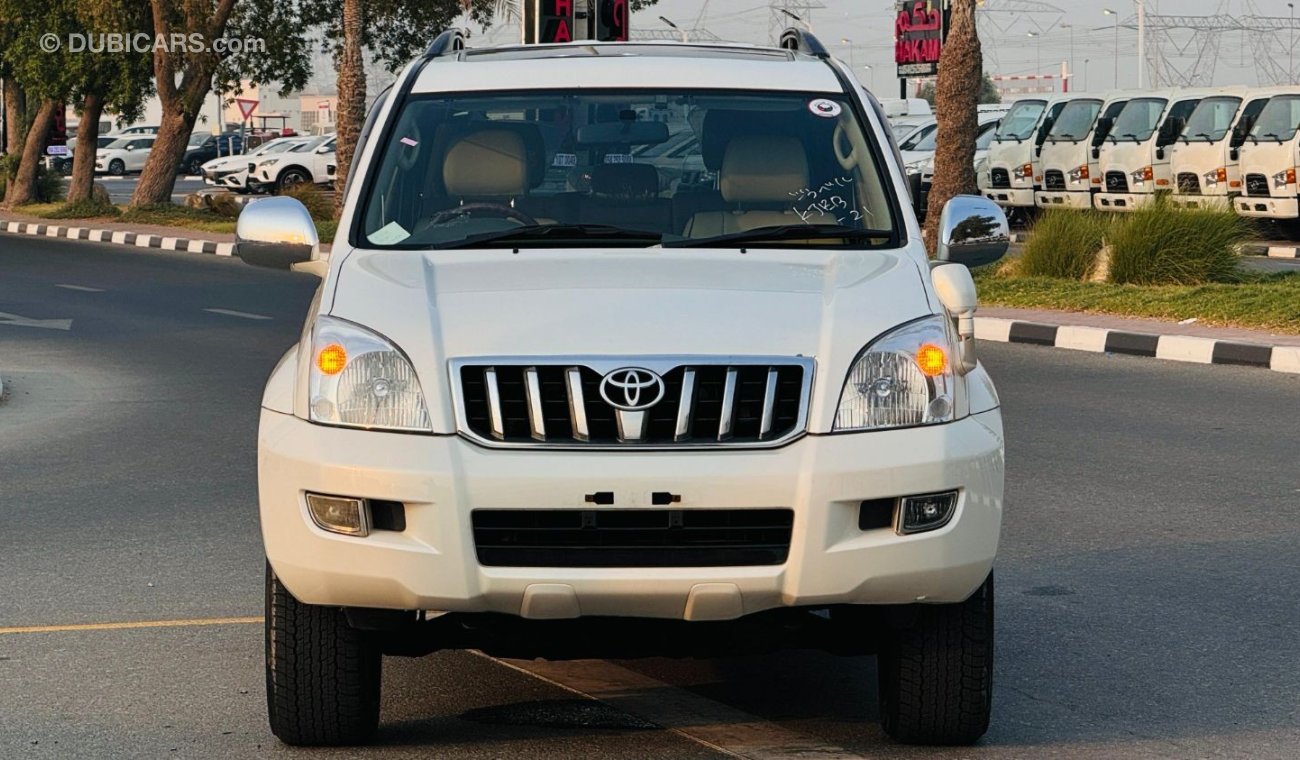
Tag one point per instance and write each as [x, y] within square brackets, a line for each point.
[322, 676]
[117, 167]
[292, 178]
[936, 671]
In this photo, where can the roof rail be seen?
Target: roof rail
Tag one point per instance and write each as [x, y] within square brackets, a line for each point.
[450, 41]
[803, 41]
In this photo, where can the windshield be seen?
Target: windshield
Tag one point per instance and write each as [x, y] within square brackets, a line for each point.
[197, 140]
[275, 146]
[922, 136]
[120, 143]
[310, 145]
[1020, 121]
[1278, 120]
[601, 168]
[1139, 119]
[902, 130]
[1075, 121]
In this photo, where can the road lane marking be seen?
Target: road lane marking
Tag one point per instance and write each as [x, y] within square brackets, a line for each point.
[194, 622]
[48, 324]
[242, 314]
[711, 724]
[82, 288]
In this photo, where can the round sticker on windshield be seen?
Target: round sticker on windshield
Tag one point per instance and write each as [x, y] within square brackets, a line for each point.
[827, 109]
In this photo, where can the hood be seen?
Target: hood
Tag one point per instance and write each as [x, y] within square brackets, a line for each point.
[442, 305]
[1063, 155]
[1128, 157]
[1010, 154]
[1200, 158]
[1268, 159]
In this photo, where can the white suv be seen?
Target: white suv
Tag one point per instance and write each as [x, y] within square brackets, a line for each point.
[629, 349]
[311, 161]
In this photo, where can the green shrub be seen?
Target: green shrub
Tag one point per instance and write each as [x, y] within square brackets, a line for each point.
[1063, 244]
[1163, 245]
[320, 207]
[47, 189]
[83, 209]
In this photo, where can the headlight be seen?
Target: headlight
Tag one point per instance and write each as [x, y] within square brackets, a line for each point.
[1079, 174]
[1282, 179]
[1214, 178]
[1027, 171]
[270, 162]
[1142, 176]
[359, 379]
[905, 378]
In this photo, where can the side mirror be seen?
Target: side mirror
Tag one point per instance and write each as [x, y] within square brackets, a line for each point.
[956, 290]
[276, 233]
[973, 231]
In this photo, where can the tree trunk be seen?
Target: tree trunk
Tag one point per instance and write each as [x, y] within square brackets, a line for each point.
[159, 174]
[83, 158]
[352, 97]
[956, 96]
[22, 189]
[15, 116]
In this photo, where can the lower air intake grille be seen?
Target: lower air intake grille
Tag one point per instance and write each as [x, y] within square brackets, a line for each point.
[632, 537]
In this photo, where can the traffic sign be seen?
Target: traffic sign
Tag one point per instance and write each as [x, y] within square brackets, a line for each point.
[247, 107]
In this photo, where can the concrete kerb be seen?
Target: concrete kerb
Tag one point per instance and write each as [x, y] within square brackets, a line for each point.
[1180, 348]
[119, 237]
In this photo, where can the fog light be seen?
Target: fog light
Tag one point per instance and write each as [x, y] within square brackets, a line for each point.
[918, 514]
[337, 514]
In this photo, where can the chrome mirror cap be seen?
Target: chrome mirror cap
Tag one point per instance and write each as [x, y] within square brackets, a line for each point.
[276, 232]
[973, 231]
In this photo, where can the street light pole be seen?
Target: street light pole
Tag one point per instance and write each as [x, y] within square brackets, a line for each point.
[1290, 53]
[846, 41]
[1038, 62]
[871, 70]
[806, 24]
[1109, 12]
[1086, 61]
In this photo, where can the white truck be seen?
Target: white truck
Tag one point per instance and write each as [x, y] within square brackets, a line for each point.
[1135, 156]
[1269, 159]
[1014, 158]
[554, 400]
[1206, 159]
[1071, 150]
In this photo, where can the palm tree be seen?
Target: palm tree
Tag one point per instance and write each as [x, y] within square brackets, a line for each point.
[961, 72]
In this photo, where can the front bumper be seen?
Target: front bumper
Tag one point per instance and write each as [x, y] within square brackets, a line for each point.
[1122, 201]
[1064, 199]
[432, 564]
[1214, 202]
[1010, 197]
[1267, 208]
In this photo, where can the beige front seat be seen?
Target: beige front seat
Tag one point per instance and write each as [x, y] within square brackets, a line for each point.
[766, 171]
[487, 165]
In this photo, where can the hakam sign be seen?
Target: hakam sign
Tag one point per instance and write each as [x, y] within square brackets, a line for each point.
[920, 27]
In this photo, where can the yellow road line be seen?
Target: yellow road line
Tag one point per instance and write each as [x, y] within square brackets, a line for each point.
[135, 624]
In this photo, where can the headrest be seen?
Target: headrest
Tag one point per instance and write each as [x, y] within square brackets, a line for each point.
[763, 169]
[486, 162]
[625, 180]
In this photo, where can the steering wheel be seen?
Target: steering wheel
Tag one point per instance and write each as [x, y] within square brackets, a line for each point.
[494, 209]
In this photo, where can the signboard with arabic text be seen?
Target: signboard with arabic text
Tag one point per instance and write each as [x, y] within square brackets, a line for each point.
[920, 27]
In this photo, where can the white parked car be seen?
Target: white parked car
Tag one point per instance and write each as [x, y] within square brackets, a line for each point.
[555, 399]
[127, 154]
[308, 162]
[231, 172]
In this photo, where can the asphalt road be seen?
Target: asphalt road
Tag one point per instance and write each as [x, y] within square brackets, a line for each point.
[1148, 586]
[121, 188]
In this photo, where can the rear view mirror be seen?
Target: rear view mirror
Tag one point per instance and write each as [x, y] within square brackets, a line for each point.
[973, 231]
[276, 233]
[623, 133]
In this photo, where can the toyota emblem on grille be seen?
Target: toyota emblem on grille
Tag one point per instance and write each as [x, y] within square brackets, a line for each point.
[632, 389]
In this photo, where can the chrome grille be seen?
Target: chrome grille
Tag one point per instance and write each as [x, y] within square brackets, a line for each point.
[1189, 184]
[1116, 182]
[1054, 180]
[559, 402]
[999, 179]
[1257, 185]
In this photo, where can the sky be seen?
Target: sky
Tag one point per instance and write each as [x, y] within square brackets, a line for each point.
[1065, 29]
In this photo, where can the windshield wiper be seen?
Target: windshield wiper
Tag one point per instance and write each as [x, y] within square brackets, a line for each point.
[1130, 134]
[1273, 135]
[783, 233]
[557, 234]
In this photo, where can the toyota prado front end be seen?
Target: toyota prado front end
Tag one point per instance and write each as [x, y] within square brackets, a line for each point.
[639, 339]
